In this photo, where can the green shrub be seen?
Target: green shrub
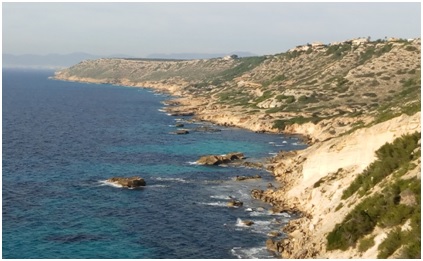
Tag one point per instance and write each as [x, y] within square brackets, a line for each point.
[347, 233]
[370, 94]
[245, 64]
[366, 243]
[308, 99]
[366, 55]
[317, 184]
[411, 48]
[288, 99]
[338, 51]
[385, 210]
[390, 158]
[390, 244]
[266, 95]
[279, 124]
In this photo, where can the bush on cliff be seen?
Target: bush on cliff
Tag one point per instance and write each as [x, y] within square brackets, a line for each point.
[398, 202]
[384, 210]
[391, 157]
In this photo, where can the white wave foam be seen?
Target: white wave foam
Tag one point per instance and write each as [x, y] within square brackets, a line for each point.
[214, 204]
[262, 223]
[272, 153]
[258, 214]
[172, 179]
[240, 223]
[111, 184]
[158, 186]
[271, 142]
[284, 141]
[220, 197]
[161, 110]
[193, 163]
[279, 145]
[251, 253]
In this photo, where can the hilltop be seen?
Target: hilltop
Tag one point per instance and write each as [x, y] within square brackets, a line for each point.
[358, 102]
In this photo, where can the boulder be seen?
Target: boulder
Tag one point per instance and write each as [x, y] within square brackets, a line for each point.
[209, 160]
[274, 234]
[179, 125]
[235, 156]
[248, 222]
[270, 245]
[180, 113]
[220, 159]
[132, 182]
[206, 129]
[235, 203]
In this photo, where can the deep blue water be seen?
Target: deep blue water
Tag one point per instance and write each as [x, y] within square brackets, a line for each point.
[62, 140]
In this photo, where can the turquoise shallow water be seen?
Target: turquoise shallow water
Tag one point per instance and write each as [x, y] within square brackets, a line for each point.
[62, 140]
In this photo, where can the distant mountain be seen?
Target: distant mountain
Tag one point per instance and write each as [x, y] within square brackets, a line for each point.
[191, 56]
[52, 61]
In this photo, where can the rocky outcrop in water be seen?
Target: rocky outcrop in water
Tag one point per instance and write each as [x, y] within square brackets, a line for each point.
[235, 203]
[206, 129]
[242, 178]
[220, 159]
[181, 132]
[132, 182]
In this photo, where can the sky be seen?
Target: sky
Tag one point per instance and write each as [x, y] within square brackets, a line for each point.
[141, 28]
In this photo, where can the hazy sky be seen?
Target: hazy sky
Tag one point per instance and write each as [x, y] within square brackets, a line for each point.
[139, 29]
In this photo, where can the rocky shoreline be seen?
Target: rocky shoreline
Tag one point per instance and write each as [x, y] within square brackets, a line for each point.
[196, 107]
[332, 161]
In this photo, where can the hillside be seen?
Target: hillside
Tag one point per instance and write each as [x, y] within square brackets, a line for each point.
[348, 99]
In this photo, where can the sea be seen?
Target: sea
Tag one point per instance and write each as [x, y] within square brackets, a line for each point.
[63, 140]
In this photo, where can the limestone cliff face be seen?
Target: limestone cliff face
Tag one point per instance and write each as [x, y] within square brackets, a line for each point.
[348, 99]
[335, 164]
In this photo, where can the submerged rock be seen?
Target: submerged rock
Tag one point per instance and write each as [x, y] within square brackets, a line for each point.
[132, 182]
[206, 129]
[241, 178]
[179, 113]
[181, 132]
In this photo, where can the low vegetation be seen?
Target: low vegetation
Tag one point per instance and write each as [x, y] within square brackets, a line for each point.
[398, 202]
[390, 157]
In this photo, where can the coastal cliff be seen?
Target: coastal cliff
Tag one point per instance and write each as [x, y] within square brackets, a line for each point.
[349, 99]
